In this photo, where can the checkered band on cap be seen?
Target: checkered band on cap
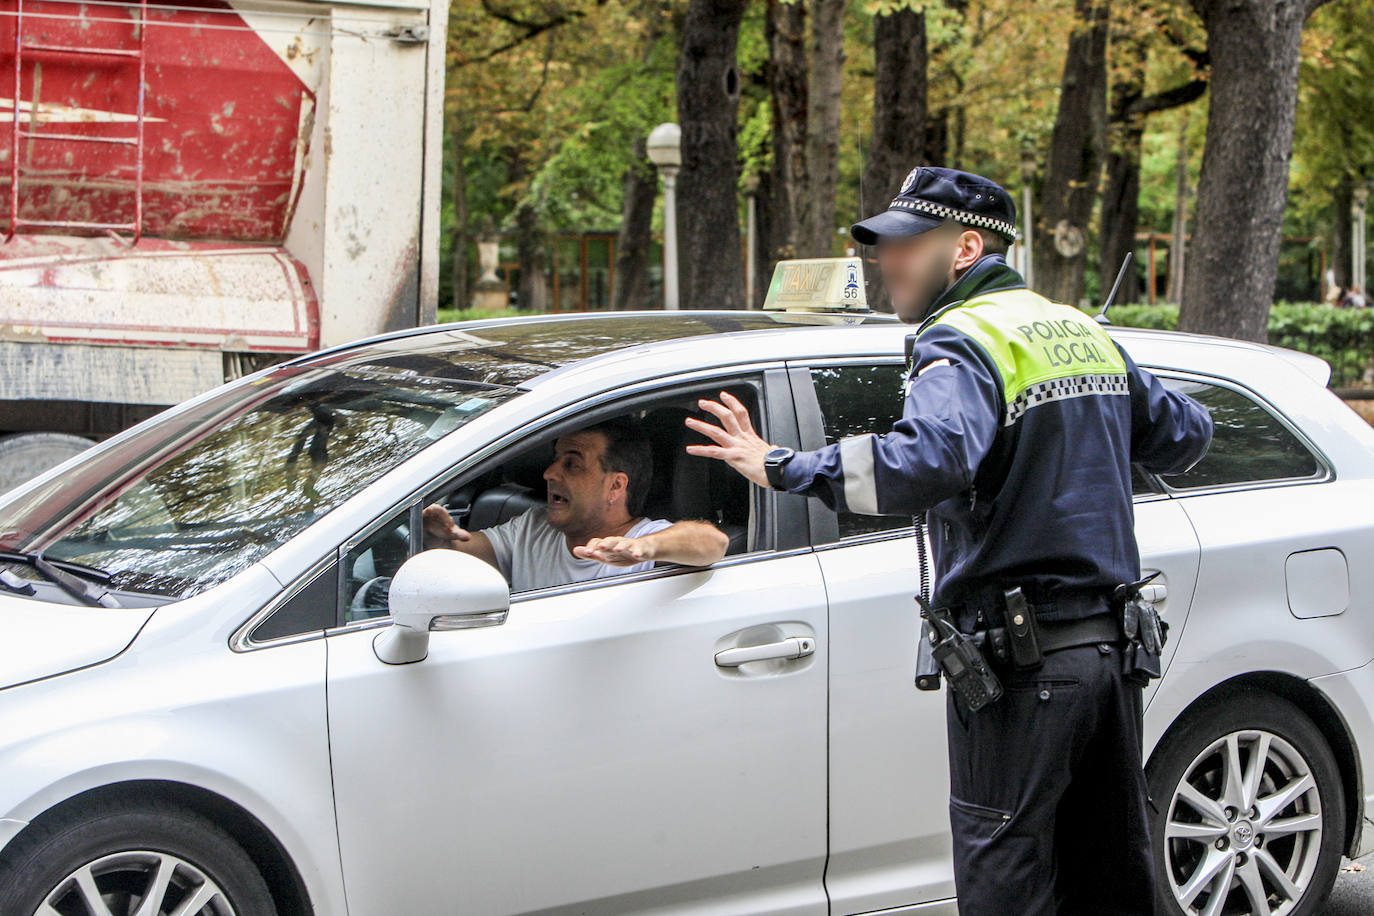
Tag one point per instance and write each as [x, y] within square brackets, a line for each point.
[1000, 226]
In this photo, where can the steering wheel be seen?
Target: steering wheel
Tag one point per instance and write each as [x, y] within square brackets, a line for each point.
[371, 600]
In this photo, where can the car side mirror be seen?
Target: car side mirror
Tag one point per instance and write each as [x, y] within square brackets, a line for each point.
[439, 589]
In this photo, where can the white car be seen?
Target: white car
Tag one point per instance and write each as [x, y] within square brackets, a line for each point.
[197, 717]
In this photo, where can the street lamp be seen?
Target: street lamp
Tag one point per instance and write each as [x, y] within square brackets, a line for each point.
[665, 152]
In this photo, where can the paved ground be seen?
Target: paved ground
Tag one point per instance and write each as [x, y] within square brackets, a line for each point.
[1354, 893]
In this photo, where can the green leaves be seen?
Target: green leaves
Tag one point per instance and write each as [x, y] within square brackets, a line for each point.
[1342, 337]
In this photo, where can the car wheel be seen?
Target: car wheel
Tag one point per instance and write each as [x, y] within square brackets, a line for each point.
[154, 859]
[26, 455]
[1249, 811]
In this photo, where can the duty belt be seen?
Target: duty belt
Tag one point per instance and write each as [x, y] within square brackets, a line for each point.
[1065, 606]
[1069, 633]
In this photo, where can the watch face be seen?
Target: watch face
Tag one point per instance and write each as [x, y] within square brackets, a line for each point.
[777, 454]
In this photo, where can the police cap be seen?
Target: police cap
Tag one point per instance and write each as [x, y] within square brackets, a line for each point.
[931, 196]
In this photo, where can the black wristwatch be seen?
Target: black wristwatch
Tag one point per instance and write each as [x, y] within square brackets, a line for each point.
[773, 463]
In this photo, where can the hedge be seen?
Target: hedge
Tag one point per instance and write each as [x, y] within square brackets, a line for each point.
[1342, 337]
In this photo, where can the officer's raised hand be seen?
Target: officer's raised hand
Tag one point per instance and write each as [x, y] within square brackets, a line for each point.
[736, 442]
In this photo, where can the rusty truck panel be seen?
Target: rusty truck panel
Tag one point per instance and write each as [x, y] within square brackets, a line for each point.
[189, 188]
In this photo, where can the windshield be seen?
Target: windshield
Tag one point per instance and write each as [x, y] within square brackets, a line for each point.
[192, 499]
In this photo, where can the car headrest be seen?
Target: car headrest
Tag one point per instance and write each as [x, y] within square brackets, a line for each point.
[527, 468]
[689, 486]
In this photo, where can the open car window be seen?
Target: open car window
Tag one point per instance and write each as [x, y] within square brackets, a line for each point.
[356, 586]
[682, 486]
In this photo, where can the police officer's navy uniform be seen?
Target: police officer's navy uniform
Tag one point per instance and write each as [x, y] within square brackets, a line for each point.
[1021, 420]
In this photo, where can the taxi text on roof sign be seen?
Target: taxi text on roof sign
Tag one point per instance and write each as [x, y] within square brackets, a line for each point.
[818, 285]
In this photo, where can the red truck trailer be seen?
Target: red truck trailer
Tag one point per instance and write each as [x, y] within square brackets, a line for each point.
[190, 189]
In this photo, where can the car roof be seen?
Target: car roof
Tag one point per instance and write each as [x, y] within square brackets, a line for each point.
[522, 351]
[532, 351]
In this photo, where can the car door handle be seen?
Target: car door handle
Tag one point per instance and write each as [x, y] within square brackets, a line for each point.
[1154, 592]
[791, 647]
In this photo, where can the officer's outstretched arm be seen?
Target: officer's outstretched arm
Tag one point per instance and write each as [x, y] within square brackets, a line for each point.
[951, 413]
[1170, 432]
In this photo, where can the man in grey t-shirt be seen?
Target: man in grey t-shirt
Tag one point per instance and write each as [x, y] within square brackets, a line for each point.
[591, 526]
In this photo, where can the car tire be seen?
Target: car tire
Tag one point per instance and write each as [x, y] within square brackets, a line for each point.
[1277, 857]
[123, 852]
[24, 456]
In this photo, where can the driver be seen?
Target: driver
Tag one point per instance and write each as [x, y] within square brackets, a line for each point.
[591, 526]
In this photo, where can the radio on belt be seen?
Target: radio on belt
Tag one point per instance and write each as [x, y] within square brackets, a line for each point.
[824, 286]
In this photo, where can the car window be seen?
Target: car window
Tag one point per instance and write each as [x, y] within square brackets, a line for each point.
[311, 606]
[369, 565]
[1249, 443]
[1142, 484]
[857, 399]
[681, 486]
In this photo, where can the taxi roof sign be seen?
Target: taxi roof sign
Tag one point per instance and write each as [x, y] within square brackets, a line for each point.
[817, 285]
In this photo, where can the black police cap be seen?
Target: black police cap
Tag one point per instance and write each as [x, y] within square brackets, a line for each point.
[931, 196]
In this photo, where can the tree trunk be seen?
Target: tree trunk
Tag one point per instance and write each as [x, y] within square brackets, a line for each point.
[1121, 196]
[816, 210]
[1121, 214]
[1341, 252]
[1075, 158]
[708, 86]
[631, 287]
[936, 150]
[531, 251]
[1254, 47]
[899, 118]
[630, 279]
[765, 224]
[785, 32]
[1178, 244]
[458, 270]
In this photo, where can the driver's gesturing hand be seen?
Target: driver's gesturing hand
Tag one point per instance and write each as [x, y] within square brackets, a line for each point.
[736, 442]
[442, 531]
[440, 528]
[616, 551]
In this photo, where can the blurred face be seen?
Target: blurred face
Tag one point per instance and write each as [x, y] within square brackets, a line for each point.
[584, 500]
[916, 269]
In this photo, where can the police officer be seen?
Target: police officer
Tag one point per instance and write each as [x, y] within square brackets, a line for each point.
[1021, 420]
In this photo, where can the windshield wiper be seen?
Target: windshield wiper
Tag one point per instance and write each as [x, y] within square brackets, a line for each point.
[15, 584]
[67, 576]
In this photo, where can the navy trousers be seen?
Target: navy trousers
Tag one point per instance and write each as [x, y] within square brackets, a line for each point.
[1047, 795]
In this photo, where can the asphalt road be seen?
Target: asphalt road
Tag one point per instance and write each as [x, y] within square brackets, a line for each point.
[1354, 893]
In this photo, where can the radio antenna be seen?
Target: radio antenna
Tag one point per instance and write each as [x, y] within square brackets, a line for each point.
[1111, 297]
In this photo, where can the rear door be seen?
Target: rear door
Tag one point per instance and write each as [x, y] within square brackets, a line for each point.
[1283, 546]
[889, 770]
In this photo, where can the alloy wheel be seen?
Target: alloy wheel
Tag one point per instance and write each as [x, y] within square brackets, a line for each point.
[1244, 828]
[137, 883]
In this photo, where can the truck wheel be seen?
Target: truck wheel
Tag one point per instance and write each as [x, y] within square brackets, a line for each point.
[1250, 811]
[154, 858]
[24, 456]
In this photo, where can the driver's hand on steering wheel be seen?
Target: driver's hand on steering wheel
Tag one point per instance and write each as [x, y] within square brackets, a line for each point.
[440, 528]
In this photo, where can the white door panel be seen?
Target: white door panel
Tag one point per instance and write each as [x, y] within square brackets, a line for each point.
[889, 786]
[591, 753]
[889, 789]
[1169, 546]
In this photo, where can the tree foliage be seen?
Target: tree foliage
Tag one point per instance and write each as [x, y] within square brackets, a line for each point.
[546, 98]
